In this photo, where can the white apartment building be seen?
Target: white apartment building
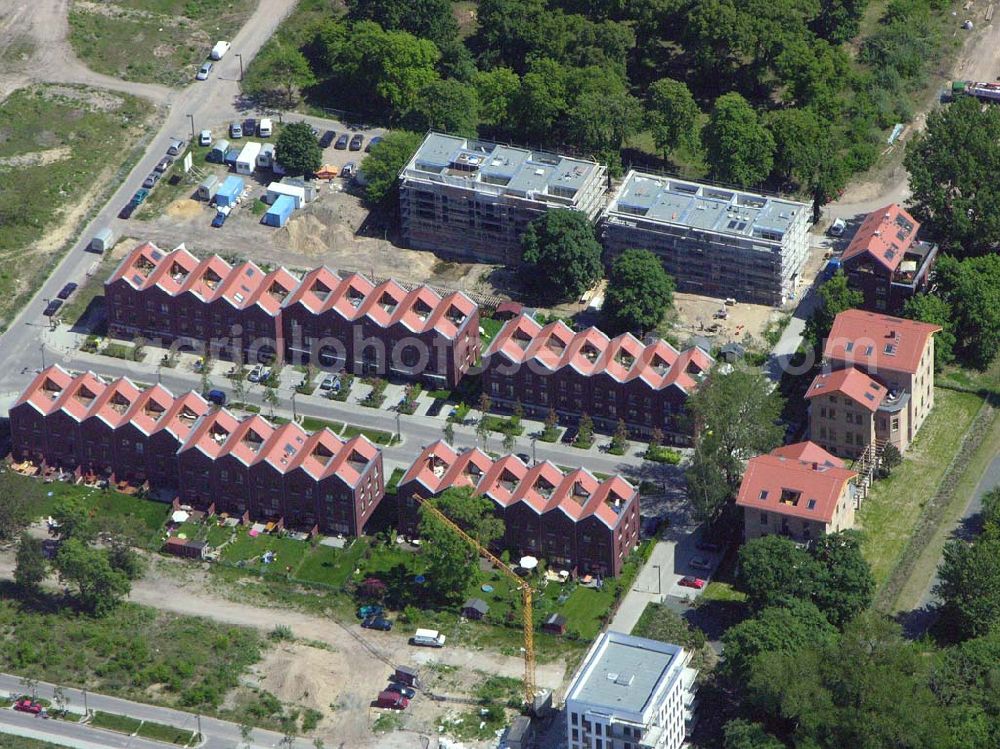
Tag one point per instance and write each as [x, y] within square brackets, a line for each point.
[631, 693]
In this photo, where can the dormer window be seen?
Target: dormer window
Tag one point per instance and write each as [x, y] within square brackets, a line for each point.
[322, 453]
[455, 315]
[790, 497]
[388, 303]
[521, 338]
[590, 352]
[178, 272]
[50, 388]
[153, 410]
[320, 290]
[187, 414]
[119, 403]
[555, 344]
[357, 461]
[543, 487]
[218, 434]
[253, 440]
[355, 297]
[85, 395]
[211, 279]
[278, 291]
[422, 309]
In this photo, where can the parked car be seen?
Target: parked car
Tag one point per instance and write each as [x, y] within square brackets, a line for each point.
[216, 396]
[837, 228]
[26, 705]
[177, 147]
[250, 127]
[52, 307]
[66, 291]
[402, 689]
[204, 71]
[205, 138]
[690, 581]
[357, 140]
[342, 141]
[392, 700]
[370, 610]
[259, 373]
[150, 182]
[330, 382]
[327, 139]
[235, 130]
[126, 212]
[219, 219]
[701, 563]
[164, 164]
[373, 142]
[348, 170]
[140, 197]
[377, 622]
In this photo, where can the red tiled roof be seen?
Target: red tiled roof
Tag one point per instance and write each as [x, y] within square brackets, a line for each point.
[874, 341]
[507, 481]
[810, 488]
[592, 352]
[852, 383]
[886, 235]
[810, 452]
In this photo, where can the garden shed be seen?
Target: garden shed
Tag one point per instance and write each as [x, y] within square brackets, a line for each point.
[475, 608]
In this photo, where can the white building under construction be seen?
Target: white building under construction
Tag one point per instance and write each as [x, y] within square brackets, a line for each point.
[472, 200]
[713, 240]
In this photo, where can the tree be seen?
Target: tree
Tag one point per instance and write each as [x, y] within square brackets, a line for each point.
[448, 105]
[639, 292]
[551, 424]
[584, 430]
[72, 517]
[844, 585]
[30, 569]
[601, 112]
[741, 410]
[497, 89]
[773, 571]
[30, 685]
[935, 310]
[122, 558]
[449, 558]
[671, 115]
[270, 397]
[991, 514]
[777, 629]
[473, 513]
[839, 20]
[509, 442]
[835, 296]
[707, 486]
[953, 166]
[889, 460]
[541, 101]
[99, 587]
[278, 73]
[483, 425]
[619, 440]
[801, 144]
[971, 289]
[15, 514]
[427, 19]
[59, 699]
[969, 586]
[383, 165]
[739, 149]
[449, 433]
[298, 150]
[561, 255]
[742, 734]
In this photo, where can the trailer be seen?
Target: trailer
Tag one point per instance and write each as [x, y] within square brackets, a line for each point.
[246, 162]
[208, 187]
[266, 156]
[230, 191]
[218, 153]
[276, 189]
[277, 215]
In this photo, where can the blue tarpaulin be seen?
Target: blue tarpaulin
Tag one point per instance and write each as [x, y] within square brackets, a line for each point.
[277, 215]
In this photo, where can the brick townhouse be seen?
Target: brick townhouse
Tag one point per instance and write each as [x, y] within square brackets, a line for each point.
[204, 455]
[877, 383]
[571, 518]
[886, 262]
[250, 314]
[551, 366]
[800, 491]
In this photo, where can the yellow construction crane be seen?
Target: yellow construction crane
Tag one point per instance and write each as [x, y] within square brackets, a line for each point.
[527, 617]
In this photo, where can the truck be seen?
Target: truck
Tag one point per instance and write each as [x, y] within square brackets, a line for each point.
[982, 91]
[103, 240]
[428, 638]
[219, 50]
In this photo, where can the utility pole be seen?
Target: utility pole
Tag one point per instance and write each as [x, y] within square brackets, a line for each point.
[86, 710]
[191, 117]
[534, 459]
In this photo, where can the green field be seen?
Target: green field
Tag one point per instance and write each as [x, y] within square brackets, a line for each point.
[8, 741]
[112, 722]
[248, 551]
[154, 41]
[890, 512]
[61, 149]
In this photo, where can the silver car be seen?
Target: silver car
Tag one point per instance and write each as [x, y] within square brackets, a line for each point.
[204, 71]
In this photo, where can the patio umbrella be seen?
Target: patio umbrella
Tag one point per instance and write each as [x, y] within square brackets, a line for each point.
[180, 516]
[326, 172]
[528, 563]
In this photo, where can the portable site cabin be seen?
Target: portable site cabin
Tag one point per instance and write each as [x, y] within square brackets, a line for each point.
[208, 187]
[266, 156]
[277, 215]
[229, 191]
[218, 153]
[279, 212]
[102, 241]
[276, 189]
[230, 158]
[310, 186]
[246, 162]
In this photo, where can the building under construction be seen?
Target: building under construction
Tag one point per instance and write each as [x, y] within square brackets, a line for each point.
[472, 200]
[713, 240]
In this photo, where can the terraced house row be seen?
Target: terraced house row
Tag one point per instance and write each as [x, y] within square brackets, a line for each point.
[550, 366]
[184, 447]
[572, 519]
[243, 313]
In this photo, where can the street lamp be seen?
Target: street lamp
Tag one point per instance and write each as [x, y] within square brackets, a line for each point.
[399, 436]
[534, 460]
[191, 117]
[294, 415]
[241, 65]
[658, 577]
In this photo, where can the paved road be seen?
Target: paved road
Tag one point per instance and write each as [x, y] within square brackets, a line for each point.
[219, 734]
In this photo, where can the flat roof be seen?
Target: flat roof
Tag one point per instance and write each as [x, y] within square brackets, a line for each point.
[623, 672]
[486, 166]
[707, 208]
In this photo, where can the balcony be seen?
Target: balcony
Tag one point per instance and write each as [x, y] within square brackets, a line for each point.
[914, 268]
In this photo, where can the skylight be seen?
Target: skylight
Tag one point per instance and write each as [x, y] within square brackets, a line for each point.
[811, 505]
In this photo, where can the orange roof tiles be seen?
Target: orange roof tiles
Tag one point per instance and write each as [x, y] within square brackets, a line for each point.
[851, 383]
[591, 352]
[873, 341]
[784, 484]
[810, 452]
[886, 235]
[507, 481]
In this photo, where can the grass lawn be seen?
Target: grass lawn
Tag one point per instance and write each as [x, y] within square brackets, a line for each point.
[112, 722]
[218, 535]
[9, 741]
[890, 512]
[988, 381]
[154, 41]
[244, 549]
[168, 734]
[393, 483]
[91, 291]
[61, 151]
[503, 425]
[490, 329]
[330, 566]
[347, 431]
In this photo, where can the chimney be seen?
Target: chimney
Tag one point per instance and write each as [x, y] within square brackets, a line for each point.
[815, 466]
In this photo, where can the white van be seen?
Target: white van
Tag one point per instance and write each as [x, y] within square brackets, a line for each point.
[429, 638]
[219, 50]
[264, 128]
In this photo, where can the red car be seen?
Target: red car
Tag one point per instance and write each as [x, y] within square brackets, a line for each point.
[689, 581]
[28, 706]
[392, 700]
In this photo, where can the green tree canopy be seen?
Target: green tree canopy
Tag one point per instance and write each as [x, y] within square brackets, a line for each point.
[15, 514]
[835, 296]
[450, 560]
[447, 105]
[844, 584]
[384, 163]
[428, 19]
[935, 310]
[277, 75]
[802, 144]
[30, 568]
[72, 515]
[542, 100]
[708, 488]
[972, 291]
[739, 149]
[953, 166]
[560, 254]
[602, 113]
[969, 586]
[671, 114]
[497, 90]
[473, 513]
[774, 571]
[99, 587]
[742, 734]
[639, 292]
[839, 20]
[298, 150]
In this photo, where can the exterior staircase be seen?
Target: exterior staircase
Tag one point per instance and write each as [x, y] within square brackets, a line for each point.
[865, 466]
